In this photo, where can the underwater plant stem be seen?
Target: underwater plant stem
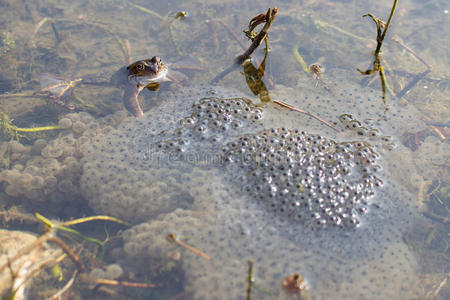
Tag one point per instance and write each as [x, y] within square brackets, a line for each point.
[320, 23]
[36, 129]
[76, 260]
[50, 224]
[146, 10]
[173, 238]
[399, 41]
[232, 33]
[13, 131]
[300, 59]
[93, 218]
[178, 16]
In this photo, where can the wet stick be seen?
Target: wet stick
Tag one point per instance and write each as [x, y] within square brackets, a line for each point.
[306, 113]
[249, 279]
[256, 39]
[381, 33]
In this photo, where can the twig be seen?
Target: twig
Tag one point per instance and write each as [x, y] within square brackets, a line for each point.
[76, 260]
[249, 279]
[376, 65]
[173, 238]
[99, 282]
[306, 113]
[269, 18]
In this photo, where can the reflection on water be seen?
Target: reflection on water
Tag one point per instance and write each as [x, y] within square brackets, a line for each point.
[103, 161]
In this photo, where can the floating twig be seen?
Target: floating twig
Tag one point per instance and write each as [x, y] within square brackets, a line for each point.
[144, 285]
[306, 113]
[172, 237]
[249, 279]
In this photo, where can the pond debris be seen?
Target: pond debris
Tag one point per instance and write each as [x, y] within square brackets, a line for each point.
[296, 285]
[14, 132]
[57, 88]
[256, 39]
[254, 76]
[172, 237]
[178, 16]
[377, 66]
[37, 260]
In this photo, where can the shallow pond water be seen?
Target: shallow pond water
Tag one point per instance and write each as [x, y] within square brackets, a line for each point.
[358, 208]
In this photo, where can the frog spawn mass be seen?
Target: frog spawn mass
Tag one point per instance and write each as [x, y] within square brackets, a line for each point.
[307, 177]
[124, 177]
[310, 178]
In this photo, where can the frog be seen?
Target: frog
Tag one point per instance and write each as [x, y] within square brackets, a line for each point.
[139, 75]
[147, 73]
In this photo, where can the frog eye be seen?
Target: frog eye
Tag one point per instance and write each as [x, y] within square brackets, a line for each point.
[140, 67]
